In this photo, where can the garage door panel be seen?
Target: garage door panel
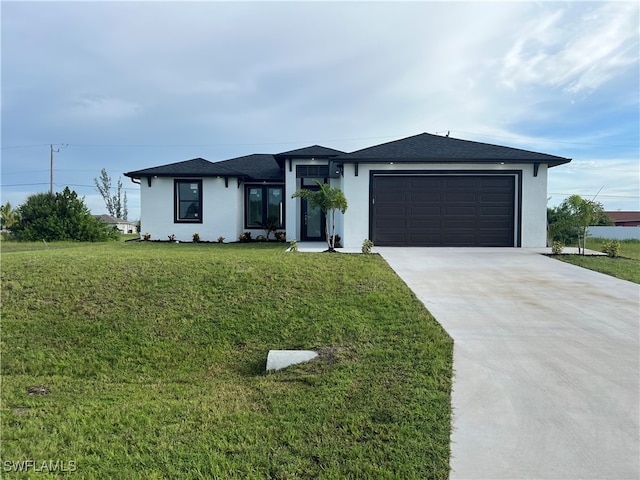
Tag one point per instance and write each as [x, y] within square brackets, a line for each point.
[426, 224]
[393, 223]
[496, 210]
[425, 196]
[459, 183]
[460, 197]
[394, 197]
[460, 238]
[393, 210]
[460, 210]
[443, 210]
[498, 197]
[425, 209]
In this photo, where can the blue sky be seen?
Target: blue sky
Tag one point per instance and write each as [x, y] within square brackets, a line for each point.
[133, 85]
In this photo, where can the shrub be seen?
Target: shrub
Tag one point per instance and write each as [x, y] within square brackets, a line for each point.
[335, 241]
[557, 248]
[293, 245]
[281, 236]
[220, 239]
[60, 216]
[146, 237]
[196, 237]
[261, 238]
[611, 248]
[245, 237]
[367, 246]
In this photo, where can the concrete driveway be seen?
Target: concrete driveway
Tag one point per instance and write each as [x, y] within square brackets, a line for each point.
[546, 362]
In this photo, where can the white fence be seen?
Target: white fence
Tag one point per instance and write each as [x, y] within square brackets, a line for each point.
[615, 233]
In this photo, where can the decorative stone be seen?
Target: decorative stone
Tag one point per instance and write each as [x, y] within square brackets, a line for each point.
[279, 359]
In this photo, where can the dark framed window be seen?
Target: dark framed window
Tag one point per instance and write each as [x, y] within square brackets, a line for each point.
[188, 206]
[264, 204]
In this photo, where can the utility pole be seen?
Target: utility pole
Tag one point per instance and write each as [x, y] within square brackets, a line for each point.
[51, 172]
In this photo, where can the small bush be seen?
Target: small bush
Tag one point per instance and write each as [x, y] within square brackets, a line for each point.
[261, 238]
[245, 237]
[220, 239]
[293, 245]
[335, 241]
[196, 237]
[367, 246]
[281, 236]
[611, 248]
[172, 237]
[146, 237]
[557, 248]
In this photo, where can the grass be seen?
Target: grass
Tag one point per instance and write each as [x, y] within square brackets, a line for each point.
[626, 266]
[154, 355]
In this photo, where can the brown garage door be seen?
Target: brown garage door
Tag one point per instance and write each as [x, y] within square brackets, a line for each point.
[452, 211]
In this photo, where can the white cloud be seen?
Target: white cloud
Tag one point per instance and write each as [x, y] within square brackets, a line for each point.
[574, 54]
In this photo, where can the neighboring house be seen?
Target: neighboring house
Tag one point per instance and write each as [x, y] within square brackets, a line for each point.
[124, 226]
[424, 190]
[625, 219]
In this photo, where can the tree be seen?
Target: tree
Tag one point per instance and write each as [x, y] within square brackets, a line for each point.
[60, 216]
[568, 221]
[8, 216]
[328, 199]
[115, 204]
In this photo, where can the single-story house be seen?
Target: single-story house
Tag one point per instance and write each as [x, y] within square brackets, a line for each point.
[424, 190]
[123, 226]
[625, 218]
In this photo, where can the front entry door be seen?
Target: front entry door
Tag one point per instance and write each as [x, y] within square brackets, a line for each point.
[312, 222]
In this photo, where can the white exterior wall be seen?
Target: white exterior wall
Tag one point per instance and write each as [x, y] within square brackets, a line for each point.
[534, 206]
[292, 205]
[614, 233]
[223, 207]
[534, 198]
[222, 211]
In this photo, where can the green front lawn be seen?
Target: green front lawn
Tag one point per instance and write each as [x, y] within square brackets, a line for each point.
[154, 355]
[626, 266]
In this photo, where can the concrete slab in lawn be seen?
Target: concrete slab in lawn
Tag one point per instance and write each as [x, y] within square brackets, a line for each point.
[279, 359]
[546, 361]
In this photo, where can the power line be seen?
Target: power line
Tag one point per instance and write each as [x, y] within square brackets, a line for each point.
[24, 184]
[600, 196]
[26, 146]
[285, 142]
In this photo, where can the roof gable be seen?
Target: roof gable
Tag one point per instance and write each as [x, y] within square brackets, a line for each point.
[426, 147]
[312, 151]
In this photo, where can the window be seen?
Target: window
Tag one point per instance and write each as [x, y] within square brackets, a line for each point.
[264, 205]
[188, 208]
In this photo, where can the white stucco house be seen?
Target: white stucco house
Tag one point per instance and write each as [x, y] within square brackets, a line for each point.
[123, 226]
[424, 190]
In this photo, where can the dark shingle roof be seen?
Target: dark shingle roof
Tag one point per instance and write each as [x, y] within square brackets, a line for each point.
[313, 151]
[250, 167]
[259, 166]
[111, 219]
[426, 147]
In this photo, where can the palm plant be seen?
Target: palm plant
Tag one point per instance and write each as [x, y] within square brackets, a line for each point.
[8, 215]
[328, 199]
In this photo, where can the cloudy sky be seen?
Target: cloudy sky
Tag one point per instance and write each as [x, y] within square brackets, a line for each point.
[132, 85]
